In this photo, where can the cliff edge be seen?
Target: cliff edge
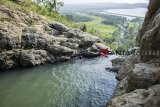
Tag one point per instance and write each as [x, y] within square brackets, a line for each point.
[28, 39]
[139, 75]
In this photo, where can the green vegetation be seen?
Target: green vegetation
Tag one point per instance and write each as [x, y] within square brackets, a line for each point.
[124, 37]
[51, 5]
[97, 28]
[28, 5]
[78, 18]
[111, 19]
[116, 31]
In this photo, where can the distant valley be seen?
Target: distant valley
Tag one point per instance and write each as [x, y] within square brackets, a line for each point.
[105, 6]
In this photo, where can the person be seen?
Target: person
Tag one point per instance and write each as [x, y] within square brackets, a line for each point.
[80, 56]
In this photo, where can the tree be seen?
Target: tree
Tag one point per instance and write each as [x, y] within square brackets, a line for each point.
[69, 18]
[51, 4]
[84, 28]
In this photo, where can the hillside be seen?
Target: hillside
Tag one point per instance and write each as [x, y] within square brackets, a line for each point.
[32, 35]
[28, 39]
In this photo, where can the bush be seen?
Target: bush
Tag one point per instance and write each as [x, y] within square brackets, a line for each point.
[29, 5]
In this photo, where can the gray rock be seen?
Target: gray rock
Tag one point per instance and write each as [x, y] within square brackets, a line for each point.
[88, 41]
[6, 41]
[58, 26]
[60, 50]
[71, 45]
[121, 88]
[62, 58]
[70, 34]
[74, 40]
[127, 66]
[25, 58]
[138, 98]
[94, 50]
[149, 35]
[34, 57]
[54, 32]
[117, 63]
[143, 76]
[9, 60]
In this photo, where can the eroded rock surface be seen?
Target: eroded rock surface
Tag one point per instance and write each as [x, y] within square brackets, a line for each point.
[138, 98]
[28, 39]
[139, 76]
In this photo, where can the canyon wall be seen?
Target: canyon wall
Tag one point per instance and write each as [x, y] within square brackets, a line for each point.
[139, 75]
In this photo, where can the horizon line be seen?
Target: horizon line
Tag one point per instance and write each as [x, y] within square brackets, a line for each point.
[104, 2]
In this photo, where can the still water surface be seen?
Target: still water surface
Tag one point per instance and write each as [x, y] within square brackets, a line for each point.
[69, 84]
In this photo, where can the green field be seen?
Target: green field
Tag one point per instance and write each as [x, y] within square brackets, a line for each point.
[104, 30]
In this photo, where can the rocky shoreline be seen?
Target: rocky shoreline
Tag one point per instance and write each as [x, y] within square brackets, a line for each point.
[139, 75]
[43, 42]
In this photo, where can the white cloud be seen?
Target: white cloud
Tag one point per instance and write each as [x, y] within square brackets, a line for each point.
[93, 1]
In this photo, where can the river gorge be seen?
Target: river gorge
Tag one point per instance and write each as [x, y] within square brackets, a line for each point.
[69, 84]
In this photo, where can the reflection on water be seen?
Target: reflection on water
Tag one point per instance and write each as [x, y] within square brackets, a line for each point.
[69, 84]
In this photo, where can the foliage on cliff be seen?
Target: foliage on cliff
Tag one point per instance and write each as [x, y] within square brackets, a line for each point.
[27, 6]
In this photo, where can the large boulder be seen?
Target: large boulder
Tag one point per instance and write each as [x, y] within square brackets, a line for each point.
[70, 34]
[33, 38]
[35, 57]
[9, 36]
[29, 38]
[126, 66]
[143, 76]
[9, 60]
[58, 26]
[138, 98]
[6, 41]
[25, 58]
[121, 88]
[94, 50]
[149, 35]
[88, 41]
[117, 62]
[60, 50]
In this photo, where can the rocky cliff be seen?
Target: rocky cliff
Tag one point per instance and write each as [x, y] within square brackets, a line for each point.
[149, 35]
[28, 39]
[139, 75]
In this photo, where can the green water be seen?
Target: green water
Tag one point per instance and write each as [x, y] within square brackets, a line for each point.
[69, 84]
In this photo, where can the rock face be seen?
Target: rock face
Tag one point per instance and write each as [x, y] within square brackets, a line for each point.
[125, 65]
[139, 76]
[149, 35]
[135, 75]
[58, 26]
[138, 98]
[35, 57]
[23, 43]
[24, 58]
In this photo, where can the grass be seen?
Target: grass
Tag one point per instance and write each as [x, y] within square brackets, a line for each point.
[104, 30]
[27, 5]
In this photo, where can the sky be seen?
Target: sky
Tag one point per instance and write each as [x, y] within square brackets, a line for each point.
[102, 1]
